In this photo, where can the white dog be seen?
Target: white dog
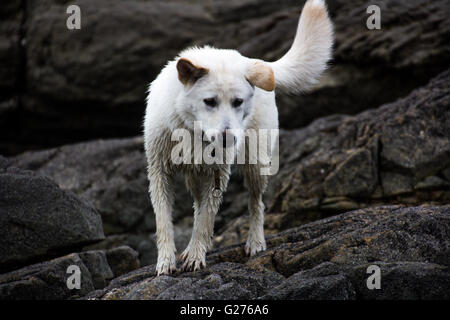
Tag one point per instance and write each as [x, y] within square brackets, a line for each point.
[227, 93]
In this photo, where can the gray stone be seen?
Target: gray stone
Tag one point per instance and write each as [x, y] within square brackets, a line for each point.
[39, 220]
[46, 281]
[326, 259]
[122, 260]
[99, 268]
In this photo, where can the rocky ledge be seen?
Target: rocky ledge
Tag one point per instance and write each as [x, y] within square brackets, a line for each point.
[326, 259]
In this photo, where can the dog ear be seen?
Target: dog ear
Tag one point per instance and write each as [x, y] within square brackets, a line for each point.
[261, 75]
[188, 72]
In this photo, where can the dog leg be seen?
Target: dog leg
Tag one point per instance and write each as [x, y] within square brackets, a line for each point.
[256, 185]
[162, 200]
[206, 205]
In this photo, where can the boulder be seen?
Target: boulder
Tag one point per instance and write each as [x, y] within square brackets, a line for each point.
[122, 260]
[45, 280]
[97, 262]
[49, 280]
[38, 220]
[325, 259]
[111, 175]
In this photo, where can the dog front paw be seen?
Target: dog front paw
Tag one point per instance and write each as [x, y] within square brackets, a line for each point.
[252, 247]
[166, 264]
[193, 259]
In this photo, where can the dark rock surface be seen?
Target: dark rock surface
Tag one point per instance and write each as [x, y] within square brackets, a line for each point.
[39, 220]
[122, 260]
[111, 174]
[48, 280]
[11, 55]
[61, 99]
[326, 259]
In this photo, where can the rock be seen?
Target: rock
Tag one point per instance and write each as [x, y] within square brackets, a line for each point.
[46, 280]
[396, 154]
[11, 55]
[143, 243]
[223, 281]
[325, 259]
[62, 90]
[406, 281]
[122, 260]
[324, 282]
[97, 262]
[38, 220]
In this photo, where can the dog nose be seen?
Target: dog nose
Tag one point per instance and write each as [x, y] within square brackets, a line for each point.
[228, 139]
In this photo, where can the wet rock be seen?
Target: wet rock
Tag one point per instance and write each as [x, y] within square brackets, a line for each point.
[122, 260]
[221, 281]
[47, 280]
[38, 220]
[97, 262]
[324, 282]
[11, 55]
[405, 281]
[326, 259]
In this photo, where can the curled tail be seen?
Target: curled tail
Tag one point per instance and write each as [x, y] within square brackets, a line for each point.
[301, 67]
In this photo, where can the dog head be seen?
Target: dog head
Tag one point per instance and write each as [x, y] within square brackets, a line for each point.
[218, 90]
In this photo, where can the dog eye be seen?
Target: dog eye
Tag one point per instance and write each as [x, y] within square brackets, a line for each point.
[237, 102]
[211, 102]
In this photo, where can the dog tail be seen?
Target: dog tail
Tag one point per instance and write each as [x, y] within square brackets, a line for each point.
[299, 69]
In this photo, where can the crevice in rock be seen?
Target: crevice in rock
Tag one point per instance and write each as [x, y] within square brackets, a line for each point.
[49, 255]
